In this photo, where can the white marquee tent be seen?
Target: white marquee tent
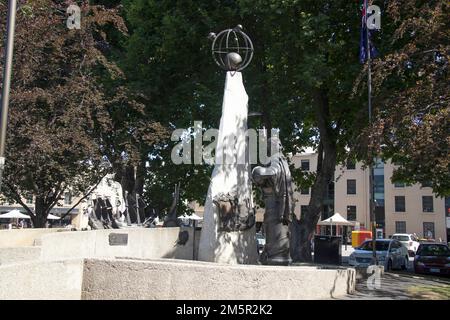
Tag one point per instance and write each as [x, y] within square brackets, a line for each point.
[336, 220]
[14, 214]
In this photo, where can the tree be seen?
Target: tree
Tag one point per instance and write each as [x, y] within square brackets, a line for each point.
[314, 74]
[411, 85]
[61, 104]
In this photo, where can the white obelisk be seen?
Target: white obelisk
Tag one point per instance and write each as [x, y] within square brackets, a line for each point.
[231, 175]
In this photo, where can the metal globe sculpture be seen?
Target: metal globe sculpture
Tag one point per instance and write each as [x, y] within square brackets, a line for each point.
[231, 49]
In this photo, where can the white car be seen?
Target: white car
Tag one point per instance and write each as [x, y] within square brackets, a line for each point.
[390, 253]
[409, 241]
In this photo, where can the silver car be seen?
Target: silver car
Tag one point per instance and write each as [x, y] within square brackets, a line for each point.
[390, 253]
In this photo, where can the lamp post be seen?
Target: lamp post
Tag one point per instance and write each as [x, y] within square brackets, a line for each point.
[7, 69]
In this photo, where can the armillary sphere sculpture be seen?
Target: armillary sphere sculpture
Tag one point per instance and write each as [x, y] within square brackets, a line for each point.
[232, 49]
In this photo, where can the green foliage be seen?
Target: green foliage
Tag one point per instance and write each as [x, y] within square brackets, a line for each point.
[411, 83]
[299, 46]
[60, 115]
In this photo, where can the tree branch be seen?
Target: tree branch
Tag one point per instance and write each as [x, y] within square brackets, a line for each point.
[18, 198]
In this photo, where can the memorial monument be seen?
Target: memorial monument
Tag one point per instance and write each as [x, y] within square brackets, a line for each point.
[228, 234]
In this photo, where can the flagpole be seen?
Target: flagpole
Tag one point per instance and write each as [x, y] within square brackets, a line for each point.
[7, 69]
[371, 173]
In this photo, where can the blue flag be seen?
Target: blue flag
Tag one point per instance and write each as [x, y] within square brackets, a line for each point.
[363, 38]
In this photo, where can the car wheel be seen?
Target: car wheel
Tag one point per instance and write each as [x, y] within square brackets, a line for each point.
[405, 263]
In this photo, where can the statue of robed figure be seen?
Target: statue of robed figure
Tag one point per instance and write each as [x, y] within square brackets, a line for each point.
[275, 182]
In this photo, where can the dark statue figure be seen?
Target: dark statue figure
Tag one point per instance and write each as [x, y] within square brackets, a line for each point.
[101, 215]
[276, 185]
[171, 219]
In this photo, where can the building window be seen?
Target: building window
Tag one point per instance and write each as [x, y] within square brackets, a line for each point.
[328, 211]
[351, 213]
[351, 165]
[330, 191]
[304, 191]
[400, 226]
[447, 206]
[427, 204]
[29, 199]
[67, 198]
[305, 165]
[400, 204]
[427, 184]
[351, 186]
[303, 211]
[399, 184]
[428, 230]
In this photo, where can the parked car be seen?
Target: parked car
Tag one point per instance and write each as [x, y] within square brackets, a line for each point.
[260, 242]
[409, 240]
[390, 252]
[432, 258]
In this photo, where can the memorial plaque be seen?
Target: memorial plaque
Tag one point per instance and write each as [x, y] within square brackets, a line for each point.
[118, 239]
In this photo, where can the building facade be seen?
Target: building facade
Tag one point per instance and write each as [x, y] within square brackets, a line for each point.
[399, 208]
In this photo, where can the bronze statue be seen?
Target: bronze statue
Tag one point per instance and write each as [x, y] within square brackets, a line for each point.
[234, 216]
[171, 219]
[276, 185]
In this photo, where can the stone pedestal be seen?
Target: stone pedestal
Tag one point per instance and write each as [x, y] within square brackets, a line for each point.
[231, 177]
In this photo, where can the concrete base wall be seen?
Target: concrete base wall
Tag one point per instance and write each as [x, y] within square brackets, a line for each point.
[142, 243]
[168, 279]
[185, 280]
[139, 243]
[19, 254]
[24, 237]
[57, 280]
[133, 264]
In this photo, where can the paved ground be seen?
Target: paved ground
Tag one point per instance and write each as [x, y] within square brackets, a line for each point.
[401, 285]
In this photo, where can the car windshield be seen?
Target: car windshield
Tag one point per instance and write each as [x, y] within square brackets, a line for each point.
[433, 250]
[401, 238]
[380, 246]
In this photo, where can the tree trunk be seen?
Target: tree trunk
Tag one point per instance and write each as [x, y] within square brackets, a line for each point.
[40, 213]
[303, 230]
[131, 179]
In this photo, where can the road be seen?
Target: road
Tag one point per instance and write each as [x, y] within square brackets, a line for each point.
[401, 285]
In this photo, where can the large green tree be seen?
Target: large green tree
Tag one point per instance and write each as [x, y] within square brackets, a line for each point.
[63, 111]
[412, 87]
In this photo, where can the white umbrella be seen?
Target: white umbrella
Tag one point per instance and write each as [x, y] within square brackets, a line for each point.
[14, 214]
[191, 217]
[52, 217]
